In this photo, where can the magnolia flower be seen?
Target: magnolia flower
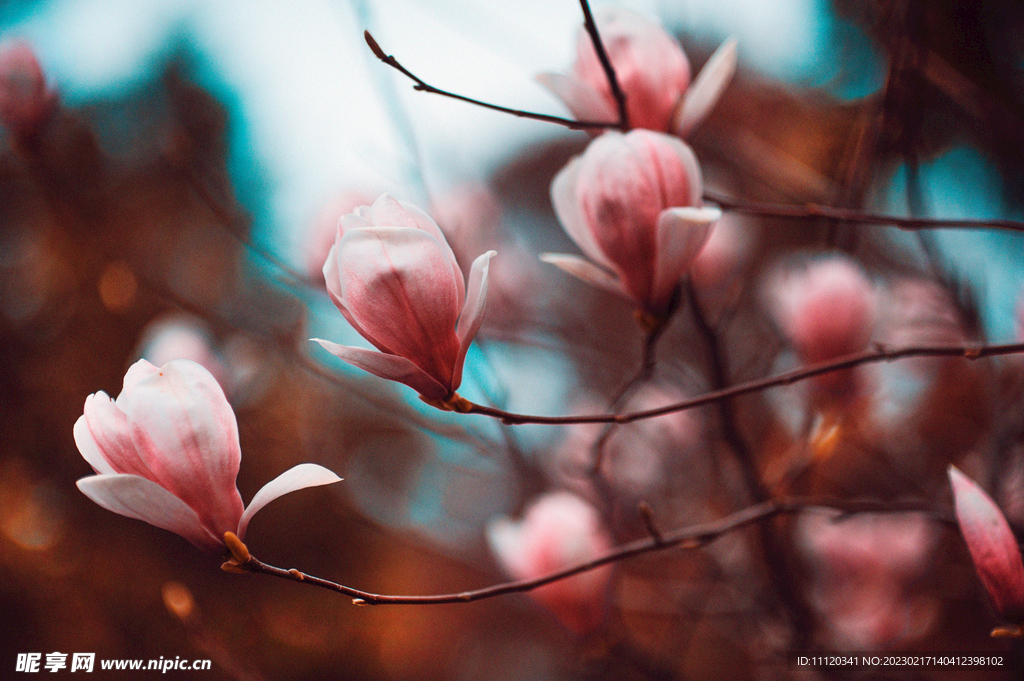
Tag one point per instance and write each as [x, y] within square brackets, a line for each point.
[396, 281]
[25, 101]
[826, 310]
[559, 530]
[630, 202]
[992, 545]
[166, 451]
[652, 71]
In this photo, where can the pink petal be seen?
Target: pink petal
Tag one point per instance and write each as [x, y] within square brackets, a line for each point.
[399, 287]
[184, 429]
[389, 212]
[568, 209]
[585, 103]
[991, 543]
[142, 499]
[472, 312]
[706, 89]
[682, 233]
[390, 367]
[586, 271]
[103, 429]
[332, 279]
[301, 476]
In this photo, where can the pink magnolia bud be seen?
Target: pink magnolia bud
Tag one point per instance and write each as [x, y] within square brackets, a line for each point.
[630, 204]
[396, 280]
[25, 101]
[827, 309]
[651, 69]
[166, 451]
[992, 545]
[558, 531]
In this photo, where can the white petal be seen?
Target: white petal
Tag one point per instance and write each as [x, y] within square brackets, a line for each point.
[141, 499]
[707, 87]
[301, 476]
[586, 271]
[391, 367]
[473, 311]
[682, 232]
[585, 103]
[136, 372]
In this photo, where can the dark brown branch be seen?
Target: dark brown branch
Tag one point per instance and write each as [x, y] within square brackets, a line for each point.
[609, 71]
[814, 211]
[879, 354]
[424, 87]
[692, 537]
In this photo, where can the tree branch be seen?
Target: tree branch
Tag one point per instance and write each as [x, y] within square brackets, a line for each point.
[880, 354]
[689, 538]
[814, 211]
[425, 87]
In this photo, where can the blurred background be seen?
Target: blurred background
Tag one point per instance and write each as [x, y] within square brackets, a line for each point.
[178, 198]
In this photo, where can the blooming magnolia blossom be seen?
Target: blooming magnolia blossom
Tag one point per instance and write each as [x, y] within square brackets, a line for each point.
[166, 451]
[395, 279]
[25, 101]
[652, 70]
[992, 545]
[631, 203]
[559, 530]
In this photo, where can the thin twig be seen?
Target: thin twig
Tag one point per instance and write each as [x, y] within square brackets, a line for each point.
[879, 354]
[691, 537]
[814, 211]
[609, 71]
[424, 87]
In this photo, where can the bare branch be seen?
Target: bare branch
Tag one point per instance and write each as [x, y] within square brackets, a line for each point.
[814, 211]
[609, 71]
[424, 87]
[692, 537]
[879, 354]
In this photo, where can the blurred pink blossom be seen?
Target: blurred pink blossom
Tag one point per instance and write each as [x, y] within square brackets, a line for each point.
[865, 569]
[992, 545]
[559, 530]
[394, 277]
[652, 71]
[826, 309]
[25, 101]
[630, 202]
[166, 451]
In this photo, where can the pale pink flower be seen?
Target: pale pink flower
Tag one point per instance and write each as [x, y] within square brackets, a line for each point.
[652, 71]
[166, 451]
[630, 202]
[826, 309]
[25, 101]
[396, 281]
[558, 531]
[992, 545]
